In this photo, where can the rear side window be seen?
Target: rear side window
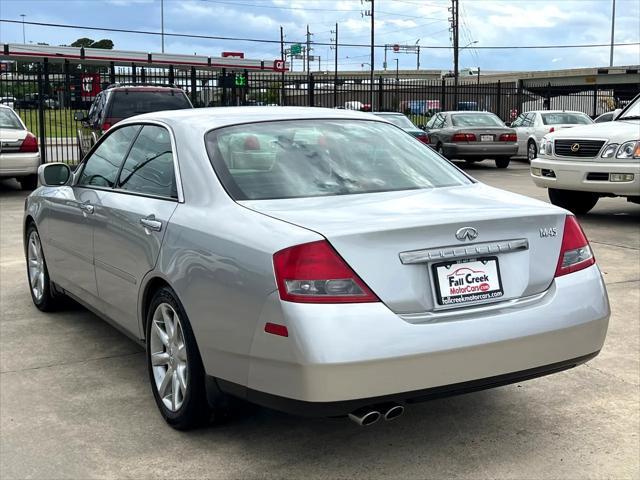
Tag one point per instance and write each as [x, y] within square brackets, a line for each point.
[9, 120]
[148, 168]
[125, 104]
[101, 167]
[308, 158]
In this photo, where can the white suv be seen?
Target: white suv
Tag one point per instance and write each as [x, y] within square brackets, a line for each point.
[582, 164]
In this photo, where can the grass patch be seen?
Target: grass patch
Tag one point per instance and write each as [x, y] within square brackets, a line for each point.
[58, 123]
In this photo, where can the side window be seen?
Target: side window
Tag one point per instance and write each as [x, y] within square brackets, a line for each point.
[148, 168]
[101, 168]
[528, 120]
[518, 121]
[431, 122]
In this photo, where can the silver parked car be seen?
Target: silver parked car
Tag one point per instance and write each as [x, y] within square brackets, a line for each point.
[316, 261]
[472, 136]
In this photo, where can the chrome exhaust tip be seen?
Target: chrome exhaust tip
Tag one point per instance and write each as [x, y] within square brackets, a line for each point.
[393, 412]
[365, 416]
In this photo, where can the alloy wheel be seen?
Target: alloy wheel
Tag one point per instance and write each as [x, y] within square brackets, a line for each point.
[35, 261]
[531, 152]
[168, 356]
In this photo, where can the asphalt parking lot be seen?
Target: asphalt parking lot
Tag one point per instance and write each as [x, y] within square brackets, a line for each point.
[75, 400]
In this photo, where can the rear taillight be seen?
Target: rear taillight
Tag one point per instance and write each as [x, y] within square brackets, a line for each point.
[508, 137]
[463, 137]
[29, 144]
[424, 138]
[315, 273]
[552, 129]
[575, 252]
[106, 126]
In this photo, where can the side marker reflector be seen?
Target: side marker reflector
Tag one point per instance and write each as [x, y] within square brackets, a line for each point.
[276, 329]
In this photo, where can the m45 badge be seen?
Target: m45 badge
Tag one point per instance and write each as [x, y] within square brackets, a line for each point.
[548, 232]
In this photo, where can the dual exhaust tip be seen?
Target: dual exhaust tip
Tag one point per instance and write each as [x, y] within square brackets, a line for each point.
[366, 416]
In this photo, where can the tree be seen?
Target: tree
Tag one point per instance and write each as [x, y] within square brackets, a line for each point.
[85, 42]
[82, 42]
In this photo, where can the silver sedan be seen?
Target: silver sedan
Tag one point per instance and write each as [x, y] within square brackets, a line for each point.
[316, 261]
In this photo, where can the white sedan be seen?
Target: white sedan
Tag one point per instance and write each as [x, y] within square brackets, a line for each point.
[580, 165]
[532, 126]
[19, 154]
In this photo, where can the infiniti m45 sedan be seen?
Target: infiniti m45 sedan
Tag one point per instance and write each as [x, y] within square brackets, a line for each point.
[316, 261]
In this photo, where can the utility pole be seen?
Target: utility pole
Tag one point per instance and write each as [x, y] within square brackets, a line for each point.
[454, 29]
[308, 49]
[613, 29]
[284, 61]
[371, 13]
[335, 68]
[418, 58]
[24, 38]
[162, 23]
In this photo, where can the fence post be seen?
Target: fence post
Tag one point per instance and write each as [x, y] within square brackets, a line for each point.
[172, 76]
[193, 86]
[67, 85]
[380, 105]
[595, 101]
[519, 96]
[443, 99]
[41, 132]
[547, 100]
[133, 73]
[223, 95]
[112, 73]
[499, 99]
[143, 75]
[310, 89]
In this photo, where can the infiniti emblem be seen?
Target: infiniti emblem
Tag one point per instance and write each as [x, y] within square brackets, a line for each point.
[466, 234]
[575, 147]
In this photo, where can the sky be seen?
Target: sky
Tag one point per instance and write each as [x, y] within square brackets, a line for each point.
[483, 23]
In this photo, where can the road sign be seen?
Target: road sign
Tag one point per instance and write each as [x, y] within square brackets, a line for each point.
[296, 49]
[279, 65]
[396, 48]
[241, 81]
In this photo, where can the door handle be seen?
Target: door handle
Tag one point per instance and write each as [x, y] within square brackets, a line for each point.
[150, 223]
[86, 207]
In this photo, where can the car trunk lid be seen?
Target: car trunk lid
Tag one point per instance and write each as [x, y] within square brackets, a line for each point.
[371, 231]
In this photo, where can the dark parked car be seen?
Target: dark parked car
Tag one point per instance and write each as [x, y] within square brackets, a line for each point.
[118, 102]
[400, 120]
[472, 136]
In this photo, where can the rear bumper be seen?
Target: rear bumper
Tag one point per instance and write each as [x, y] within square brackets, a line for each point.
[572, 175]
[342, 408]
[19, 164]
[479, 150]
[338, 353]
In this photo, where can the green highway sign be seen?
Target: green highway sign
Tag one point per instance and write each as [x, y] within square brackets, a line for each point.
[296, 49]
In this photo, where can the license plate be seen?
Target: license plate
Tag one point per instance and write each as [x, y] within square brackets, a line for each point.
[486, 138]
[468, 281]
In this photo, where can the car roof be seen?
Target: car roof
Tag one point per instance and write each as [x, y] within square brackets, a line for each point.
[143, 88]
[205, 119]
[554, 111]
[469, 111]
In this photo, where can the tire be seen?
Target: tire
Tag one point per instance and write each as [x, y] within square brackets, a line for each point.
[502, 162]
[532, 151]
[29, 182]
[183, 401]
[46, 297]
[440, 150]
[574, 201]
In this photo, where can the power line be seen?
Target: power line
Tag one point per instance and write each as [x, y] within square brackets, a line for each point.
[289, 42]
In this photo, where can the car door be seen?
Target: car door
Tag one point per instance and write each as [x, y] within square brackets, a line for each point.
[134, 217]
[71, 217]
[517, 125]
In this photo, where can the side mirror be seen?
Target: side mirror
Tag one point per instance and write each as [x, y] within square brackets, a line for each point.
[54, 174]
[508, 124]
[616, 113]
[80, 116]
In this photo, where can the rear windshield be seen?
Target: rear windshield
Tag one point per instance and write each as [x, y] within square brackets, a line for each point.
[565, 118]
[310, 158]
[126, 104]
[400, 121]
[8, 119]
[475, 120]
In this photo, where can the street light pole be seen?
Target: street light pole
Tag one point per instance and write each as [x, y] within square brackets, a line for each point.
[24, 38]
[397, 70]
[613, 28]
[162, 23]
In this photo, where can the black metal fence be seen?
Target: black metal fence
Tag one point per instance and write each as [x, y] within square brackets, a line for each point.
[47, 95]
